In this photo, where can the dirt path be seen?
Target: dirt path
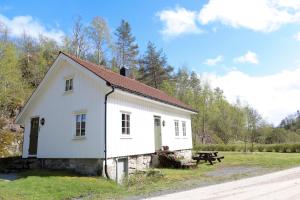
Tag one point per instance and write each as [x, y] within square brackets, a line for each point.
[279, 185]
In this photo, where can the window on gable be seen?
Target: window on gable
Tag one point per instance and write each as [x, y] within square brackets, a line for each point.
[80, 124]
[183, 129]
[125, 124]
[176, 123]
[69, 85]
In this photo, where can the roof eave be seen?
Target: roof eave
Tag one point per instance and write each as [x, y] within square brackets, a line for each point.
[153, 98]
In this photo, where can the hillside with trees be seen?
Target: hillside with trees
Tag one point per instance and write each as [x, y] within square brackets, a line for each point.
[24, 62]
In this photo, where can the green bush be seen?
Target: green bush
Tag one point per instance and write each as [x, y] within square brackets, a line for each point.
[280, 148]
[260, 148]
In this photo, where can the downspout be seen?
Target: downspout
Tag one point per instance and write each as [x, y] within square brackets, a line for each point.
[105, 132]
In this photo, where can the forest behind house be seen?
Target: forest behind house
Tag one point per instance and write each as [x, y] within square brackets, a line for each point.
[24, 62]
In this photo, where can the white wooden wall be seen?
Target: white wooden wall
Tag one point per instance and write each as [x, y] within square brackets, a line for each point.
[142, 112]
[56, 138]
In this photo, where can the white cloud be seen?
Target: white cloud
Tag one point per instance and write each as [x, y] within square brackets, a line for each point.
[20, 24]
[214, 61]
[178, 21]
[294, 4]
[249, 57]
[274, 96]
[297, 36]
[257, 15]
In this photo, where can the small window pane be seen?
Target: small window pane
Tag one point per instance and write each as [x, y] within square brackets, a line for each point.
[123, 123]
[77, 128]
[67, 85]
[123, 116]
[71, 84]
[128, 131]
[183, 129]
[176, 128]
[82, 125]
[83, 117]
[123, 130]
[82, 132]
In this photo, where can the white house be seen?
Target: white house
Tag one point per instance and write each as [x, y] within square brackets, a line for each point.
[85, 117]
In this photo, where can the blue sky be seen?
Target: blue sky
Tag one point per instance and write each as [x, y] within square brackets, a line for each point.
[224, 40]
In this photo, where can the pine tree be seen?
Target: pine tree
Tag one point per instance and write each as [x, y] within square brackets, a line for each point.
[126, 48]
[154, 67]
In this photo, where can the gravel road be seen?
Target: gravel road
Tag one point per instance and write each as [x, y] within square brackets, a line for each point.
[283, 185]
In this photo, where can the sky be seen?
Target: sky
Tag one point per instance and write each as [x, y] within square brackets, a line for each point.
[248, 48]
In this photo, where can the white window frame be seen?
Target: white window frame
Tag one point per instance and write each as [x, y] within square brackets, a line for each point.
[69, 84]
[183, 127]
[127, 125]
[80, 118]
[176, 122]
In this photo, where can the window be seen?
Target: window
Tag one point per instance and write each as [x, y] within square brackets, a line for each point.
[183, 129]
[125, 124]
[80, 124]
[69, 85]
[176, 128]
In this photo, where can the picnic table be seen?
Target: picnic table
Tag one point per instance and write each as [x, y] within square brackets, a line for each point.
[207, 156]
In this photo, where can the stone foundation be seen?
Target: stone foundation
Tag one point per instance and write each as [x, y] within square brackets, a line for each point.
[82, 166]
[96, 166]
[185, 154]
[135, 163]
[139, 162]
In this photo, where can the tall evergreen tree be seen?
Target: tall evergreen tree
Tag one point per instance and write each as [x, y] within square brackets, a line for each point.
[154, 67]
[126, 48]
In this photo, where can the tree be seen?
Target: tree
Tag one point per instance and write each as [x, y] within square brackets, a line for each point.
[27, 60]
[253, 122]
[126, 48]
[11, 86]
[238, 120]
[35, 58]
[99, 34]
[154, 67]
[223, 116]
[78, 41]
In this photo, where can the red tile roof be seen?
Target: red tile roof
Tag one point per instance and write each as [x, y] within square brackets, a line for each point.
[128, 84]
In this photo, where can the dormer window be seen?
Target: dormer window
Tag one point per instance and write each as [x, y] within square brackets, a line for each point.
[69, 84]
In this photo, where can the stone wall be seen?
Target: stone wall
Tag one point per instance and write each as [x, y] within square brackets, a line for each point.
[135, 163]
[185, 154]
[82, 166]
[138, 162]
[96, 166]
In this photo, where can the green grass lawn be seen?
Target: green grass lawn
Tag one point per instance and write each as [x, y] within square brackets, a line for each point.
[43, 184]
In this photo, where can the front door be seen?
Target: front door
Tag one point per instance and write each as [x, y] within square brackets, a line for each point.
[34, 132]
[157, 132]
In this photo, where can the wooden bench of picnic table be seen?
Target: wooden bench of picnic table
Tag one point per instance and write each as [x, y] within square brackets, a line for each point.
[209, 156]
